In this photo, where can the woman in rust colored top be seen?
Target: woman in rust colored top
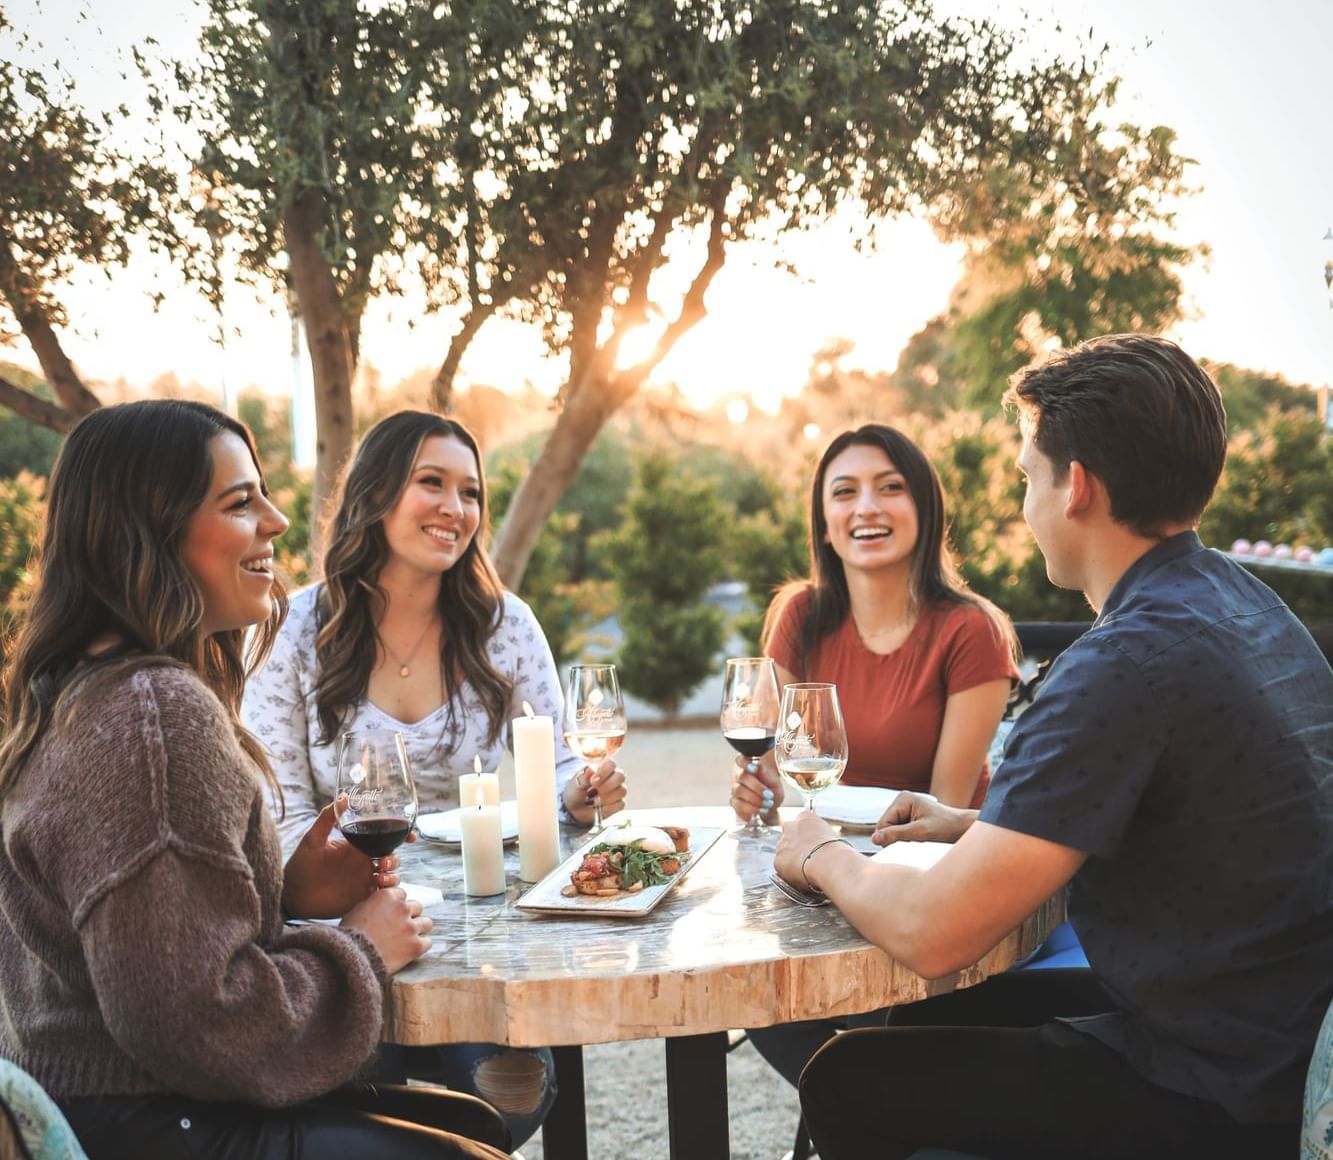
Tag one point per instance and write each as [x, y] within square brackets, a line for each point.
[923, 666]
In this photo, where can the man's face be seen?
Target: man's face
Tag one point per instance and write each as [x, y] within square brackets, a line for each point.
[1044, 509]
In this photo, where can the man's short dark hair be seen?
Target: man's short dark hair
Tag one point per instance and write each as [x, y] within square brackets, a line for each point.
[1138, 413]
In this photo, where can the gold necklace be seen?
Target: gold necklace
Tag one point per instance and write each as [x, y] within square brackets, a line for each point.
[404, 663]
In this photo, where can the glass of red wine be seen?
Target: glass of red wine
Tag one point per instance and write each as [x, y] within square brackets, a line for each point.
[595, 721]
[749, 719]
[375, 778]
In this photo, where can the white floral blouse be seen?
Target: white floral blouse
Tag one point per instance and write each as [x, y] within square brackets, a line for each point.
[279, 709]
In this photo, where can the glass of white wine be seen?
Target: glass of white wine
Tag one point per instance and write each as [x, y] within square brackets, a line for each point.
[811, 743]
[595, 720]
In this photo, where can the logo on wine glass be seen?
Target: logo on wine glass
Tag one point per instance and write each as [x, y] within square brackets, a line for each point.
[364, 798]
[357, 773]
[742, 713]
[590, 716]
[798, 744]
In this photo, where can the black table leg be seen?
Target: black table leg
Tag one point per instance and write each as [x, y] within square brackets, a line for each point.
[565, 1131]
[696, 1067]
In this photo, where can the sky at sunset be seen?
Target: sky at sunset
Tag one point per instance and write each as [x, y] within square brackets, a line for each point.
[1248, 97]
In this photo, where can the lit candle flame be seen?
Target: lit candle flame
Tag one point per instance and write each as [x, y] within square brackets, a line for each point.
[527, 710]
[476, 763]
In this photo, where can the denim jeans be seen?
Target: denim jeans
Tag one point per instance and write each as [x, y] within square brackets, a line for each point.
[518, 1082]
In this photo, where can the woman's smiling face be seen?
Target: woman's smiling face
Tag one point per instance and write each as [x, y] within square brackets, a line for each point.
[869, 512]
[437, 516]
[228, 544]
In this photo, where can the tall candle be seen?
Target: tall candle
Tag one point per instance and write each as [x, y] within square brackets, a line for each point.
[489, 782]
[534, 777]
[483, 850]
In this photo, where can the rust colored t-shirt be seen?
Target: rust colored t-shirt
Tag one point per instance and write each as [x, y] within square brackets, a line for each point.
[893, 705]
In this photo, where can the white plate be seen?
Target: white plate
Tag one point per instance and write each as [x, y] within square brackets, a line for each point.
[855, 805]
[445, 826]
[545, 897]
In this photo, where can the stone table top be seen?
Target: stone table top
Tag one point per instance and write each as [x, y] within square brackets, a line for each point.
[723, 949]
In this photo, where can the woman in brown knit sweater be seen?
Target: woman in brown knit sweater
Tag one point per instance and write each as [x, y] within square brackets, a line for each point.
[147, 978]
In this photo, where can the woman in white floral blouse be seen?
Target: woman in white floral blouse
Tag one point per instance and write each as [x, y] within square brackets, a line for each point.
[411, 630]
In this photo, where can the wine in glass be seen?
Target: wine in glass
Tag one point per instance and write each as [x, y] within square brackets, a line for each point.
[811, 741]
[749, 717]
[594, 721]
[381, 798]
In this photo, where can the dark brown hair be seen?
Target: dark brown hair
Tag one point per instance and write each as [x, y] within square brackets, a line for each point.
[123, 490]
[933, 578]
[351, 603]
[1138, 413]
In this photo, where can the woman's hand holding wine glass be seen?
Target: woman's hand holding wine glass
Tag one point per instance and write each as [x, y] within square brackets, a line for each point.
[380, 798]
[595, 726]
[749, 721]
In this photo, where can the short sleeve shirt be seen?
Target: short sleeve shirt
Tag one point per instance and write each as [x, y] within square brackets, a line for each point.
[893, 705]
[1185, 743]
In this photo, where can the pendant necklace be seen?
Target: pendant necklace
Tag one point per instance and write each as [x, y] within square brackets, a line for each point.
[404, 663]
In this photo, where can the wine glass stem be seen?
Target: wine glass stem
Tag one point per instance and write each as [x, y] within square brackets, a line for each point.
[596, 806]
[375, 873]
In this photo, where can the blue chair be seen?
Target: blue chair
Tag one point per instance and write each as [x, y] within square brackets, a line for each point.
[31, 1126]
[1317, 1122]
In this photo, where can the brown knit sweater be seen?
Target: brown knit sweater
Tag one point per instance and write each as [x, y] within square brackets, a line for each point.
[142, 947]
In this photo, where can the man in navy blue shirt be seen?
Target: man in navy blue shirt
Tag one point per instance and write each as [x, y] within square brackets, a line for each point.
[1176, 771]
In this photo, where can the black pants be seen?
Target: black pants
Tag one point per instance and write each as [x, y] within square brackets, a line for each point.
[374, 1121]
[986, 1070]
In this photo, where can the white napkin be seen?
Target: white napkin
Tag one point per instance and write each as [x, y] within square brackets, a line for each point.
[428, 896]
[922, 855]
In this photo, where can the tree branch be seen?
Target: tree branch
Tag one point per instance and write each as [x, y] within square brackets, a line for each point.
[442, 386]
[28, 406]
[16, 288]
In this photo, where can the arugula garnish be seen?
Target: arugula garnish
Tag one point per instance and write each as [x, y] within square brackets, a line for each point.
[636, 864]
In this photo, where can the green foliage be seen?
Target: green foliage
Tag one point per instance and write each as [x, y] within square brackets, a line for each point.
[22, 510]
[564, 605]
[766, 549]
[663, 559]
[1275, 485]
[68, 196]
[1251, 395]
[24, 446]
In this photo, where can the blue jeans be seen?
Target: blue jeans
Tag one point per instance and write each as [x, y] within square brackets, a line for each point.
[518, 1082]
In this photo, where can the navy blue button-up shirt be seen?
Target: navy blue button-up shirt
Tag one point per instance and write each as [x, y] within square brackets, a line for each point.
[1185, 743]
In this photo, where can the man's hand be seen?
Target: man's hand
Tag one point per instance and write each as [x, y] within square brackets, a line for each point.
[800, 835]
[326, 876]
[913, 817]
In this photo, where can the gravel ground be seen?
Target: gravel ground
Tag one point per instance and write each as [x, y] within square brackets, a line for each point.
[628, 1116]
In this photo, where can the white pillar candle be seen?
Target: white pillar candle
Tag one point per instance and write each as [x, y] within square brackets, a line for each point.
[534, 777]
[490, 788]
[483, 849]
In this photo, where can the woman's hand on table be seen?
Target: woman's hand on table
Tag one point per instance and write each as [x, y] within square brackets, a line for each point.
[748, 789]
[326, 876]
[800, 835]
[913, 817]
[395, 924]
[607, 781]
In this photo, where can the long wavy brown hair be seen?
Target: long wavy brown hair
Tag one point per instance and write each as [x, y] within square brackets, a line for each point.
[933, 577]
[352, 602]
[123, 489]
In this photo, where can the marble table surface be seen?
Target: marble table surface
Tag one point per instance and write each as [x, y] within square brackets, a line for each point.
[724, 949]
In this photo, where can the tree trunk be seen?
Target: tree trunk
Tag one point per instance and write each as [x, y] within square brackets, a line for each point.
[73, 397]
[585, 412]
[327, 339]
[36, 410]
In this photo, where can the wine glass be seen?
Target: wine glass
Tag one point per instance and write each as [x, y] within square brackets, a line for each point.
[594, 721]
[376, 777]
[811, 742]
[750, 718]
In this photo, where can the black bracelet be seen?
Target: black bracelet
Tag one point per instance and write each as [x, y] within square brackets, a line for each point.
[811, 853]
